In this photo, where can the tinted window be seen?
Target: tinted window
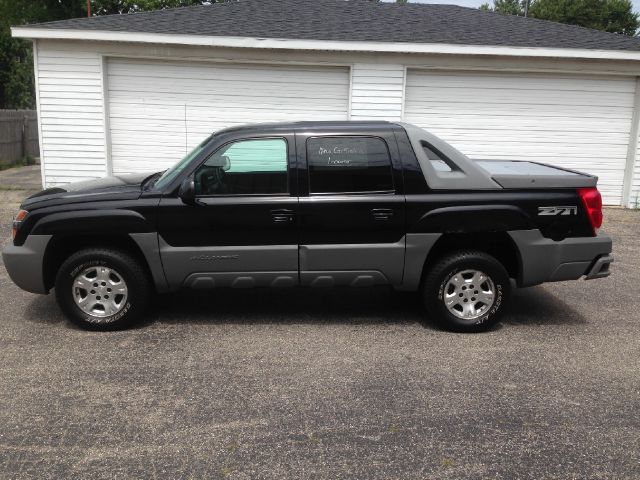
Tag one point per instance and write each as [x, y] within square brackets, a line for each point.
[246, 167]
[348, 164]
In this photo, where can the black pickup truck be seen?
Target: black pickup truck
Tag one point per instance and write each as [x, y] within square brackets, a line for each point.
[313, 204]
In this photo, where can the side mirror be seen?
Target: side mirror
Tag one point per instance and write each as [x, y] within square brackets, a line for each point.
[187, 191]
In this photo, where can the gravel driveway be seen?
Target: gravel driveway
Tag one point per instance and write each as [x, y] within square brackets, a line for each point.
[328, 384]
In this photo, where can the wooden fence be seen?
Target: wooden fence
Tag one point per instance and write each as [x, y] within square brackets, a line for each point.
[18, 136]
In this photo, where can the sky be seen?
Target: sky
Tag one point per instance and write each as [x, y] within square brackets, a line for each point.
[477, 3]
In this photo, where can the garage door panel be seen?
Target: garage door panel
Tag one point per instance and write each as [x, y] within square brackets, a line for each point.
[159, 110]
[577, 122]
[524, 81]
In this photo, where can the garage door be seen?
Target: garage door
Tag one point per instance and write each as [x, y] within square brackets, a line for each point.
[572, 121]
[159, 110]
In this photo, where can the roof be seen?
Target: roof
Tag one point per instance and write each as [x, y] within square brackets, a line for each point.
[351, 21]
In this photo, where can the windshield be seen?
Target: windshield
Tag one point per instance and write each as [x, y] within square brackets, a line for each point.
[169, 175]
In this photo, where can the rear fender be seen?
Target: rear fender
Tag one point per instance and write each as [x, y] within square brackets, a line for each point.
[472, 219]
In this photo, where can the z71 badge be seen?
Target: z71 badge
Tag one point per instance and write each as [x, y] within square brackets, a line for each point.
[570, 210]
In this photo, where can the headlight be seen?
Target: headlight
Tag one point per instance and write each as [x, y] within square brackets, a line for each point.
[17, 221]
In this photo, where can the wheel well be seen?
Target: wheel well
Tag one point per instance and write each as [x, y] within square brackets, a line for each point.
[62, 247]
[497, 244]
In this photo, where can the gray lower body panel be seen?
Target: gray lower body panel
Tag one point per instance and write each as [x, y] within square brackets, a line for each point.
[222, 265]
[208, 280]
[24, 263]
[148, 243]
[358, 265]
[418, 246]
[387, 259]
[546, 260]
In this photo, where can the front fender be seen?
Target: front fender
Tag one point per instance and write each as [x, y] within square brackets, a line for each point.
[92, 222]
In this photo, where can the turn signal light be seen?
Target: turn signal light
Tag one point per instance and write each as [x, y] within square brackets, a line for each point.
[17, 221]
[592, 202]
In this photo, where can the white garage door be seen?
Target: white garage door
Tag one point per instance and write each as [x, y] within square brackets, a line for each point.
[576, 122]
[160, 110]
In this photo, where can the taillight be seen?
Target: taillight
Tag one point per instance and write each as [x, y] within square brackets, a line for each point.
[592, 202]
[17, 221]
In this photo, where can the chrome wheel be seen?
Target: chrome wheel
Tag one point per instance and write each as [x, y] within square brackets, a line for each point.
[469, 294]
[100, 291]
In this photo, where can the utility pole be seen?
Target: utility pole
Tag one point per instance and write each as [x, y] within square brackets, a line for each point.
[89, 8]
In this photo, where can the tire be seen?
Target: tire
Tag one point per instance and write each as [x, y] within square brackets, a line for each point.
[448, 295]
[117, 290]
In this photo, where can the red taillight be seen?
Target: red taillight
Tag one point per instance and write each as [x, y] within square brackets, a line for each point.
[592, 202]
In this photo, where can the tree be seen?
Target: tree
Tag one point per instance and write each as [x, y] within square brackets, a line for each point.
[109, 7]
[615, 16]
[16, 61]
[505, 7]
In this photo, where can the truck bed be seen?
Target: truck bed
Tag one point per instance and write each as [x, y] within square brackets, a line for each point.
[526, 174]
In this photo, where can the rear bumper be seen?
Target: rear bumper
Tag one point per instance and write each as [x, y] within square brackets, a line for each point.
[24, 263]
[545, 260]
[600, 267]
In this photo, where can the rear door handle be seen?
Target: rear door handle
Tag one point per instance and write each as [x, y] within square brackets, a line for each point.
[381, 214]
[282, 215]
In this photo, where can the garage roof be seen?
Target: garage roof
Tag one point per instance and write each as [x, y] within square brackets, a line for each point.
[347, 21]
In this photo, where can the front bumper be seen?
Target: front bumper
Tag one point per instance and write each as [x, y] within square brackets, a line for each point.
[545, 260]
[25, 263]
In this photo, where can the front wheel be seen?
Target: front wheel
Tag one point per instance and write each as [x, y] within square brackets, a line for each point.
[466, 291]
[102, 289]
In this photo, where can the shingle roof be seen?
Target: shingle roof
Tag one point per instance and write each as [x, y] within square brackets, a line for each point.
[355, 21]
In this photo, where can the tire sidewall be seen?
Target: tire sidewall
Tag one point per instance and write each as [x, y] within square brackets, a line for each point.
[498, 276]
[64, 287]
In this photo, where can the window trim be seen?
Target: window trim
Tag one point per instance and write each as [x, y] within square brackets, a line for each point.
[287, 193]
[392, 191]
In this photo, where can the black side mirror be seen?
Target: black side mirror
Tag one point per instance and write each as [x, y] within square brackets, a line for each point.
[187, 191]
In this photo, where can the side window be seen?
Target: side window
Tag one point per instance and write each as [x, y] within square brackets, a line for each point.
[245, 167]
[348, 165]
[439, 162]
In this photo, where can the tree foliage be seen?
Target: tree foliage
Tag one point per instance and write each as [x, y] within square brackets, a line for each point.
[615, 16]
[109, 7]
[506, 7]
[16, 61]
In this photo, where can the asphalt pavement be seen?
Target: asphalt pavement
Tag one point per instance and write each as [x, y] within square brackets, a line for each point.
[328, 384]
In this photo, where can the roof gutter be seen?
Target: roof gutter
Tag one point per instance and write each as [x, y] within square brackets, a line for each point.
[321, 45]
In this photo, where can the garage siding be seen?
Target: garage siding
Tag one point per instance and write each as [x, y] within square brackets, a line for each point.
[634, 193]
[576, 122]
[377, 91]
[160, 110]
[71, 114]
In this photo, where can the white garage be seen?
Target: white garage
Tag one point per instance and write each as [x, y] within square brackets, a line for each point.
[133, 93]
[569, 120]
[159, 110]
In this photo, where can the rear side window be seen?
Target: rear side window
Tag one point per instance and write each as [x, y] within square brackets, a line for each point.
[439, 162]
[245, 167]
[349, 165]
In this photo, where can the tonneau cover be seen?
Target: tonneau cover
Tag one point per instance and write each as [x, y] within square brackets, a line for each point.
[525, 174]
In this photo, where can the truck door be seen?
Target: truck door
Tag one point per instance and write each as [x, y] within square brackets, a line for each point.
[242, 232]
[351, 209]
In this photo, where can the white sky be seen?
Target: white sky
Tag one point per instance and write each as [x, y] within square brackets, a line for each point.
[477, 3]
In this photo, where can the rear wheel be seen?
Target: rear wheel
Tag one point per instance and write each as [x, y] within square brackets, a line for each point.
[466, 291]
[102, 289]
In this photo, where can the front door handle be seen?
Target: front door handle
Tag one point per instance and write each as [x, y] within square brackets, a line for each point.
[381, 214]
[282, 215]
